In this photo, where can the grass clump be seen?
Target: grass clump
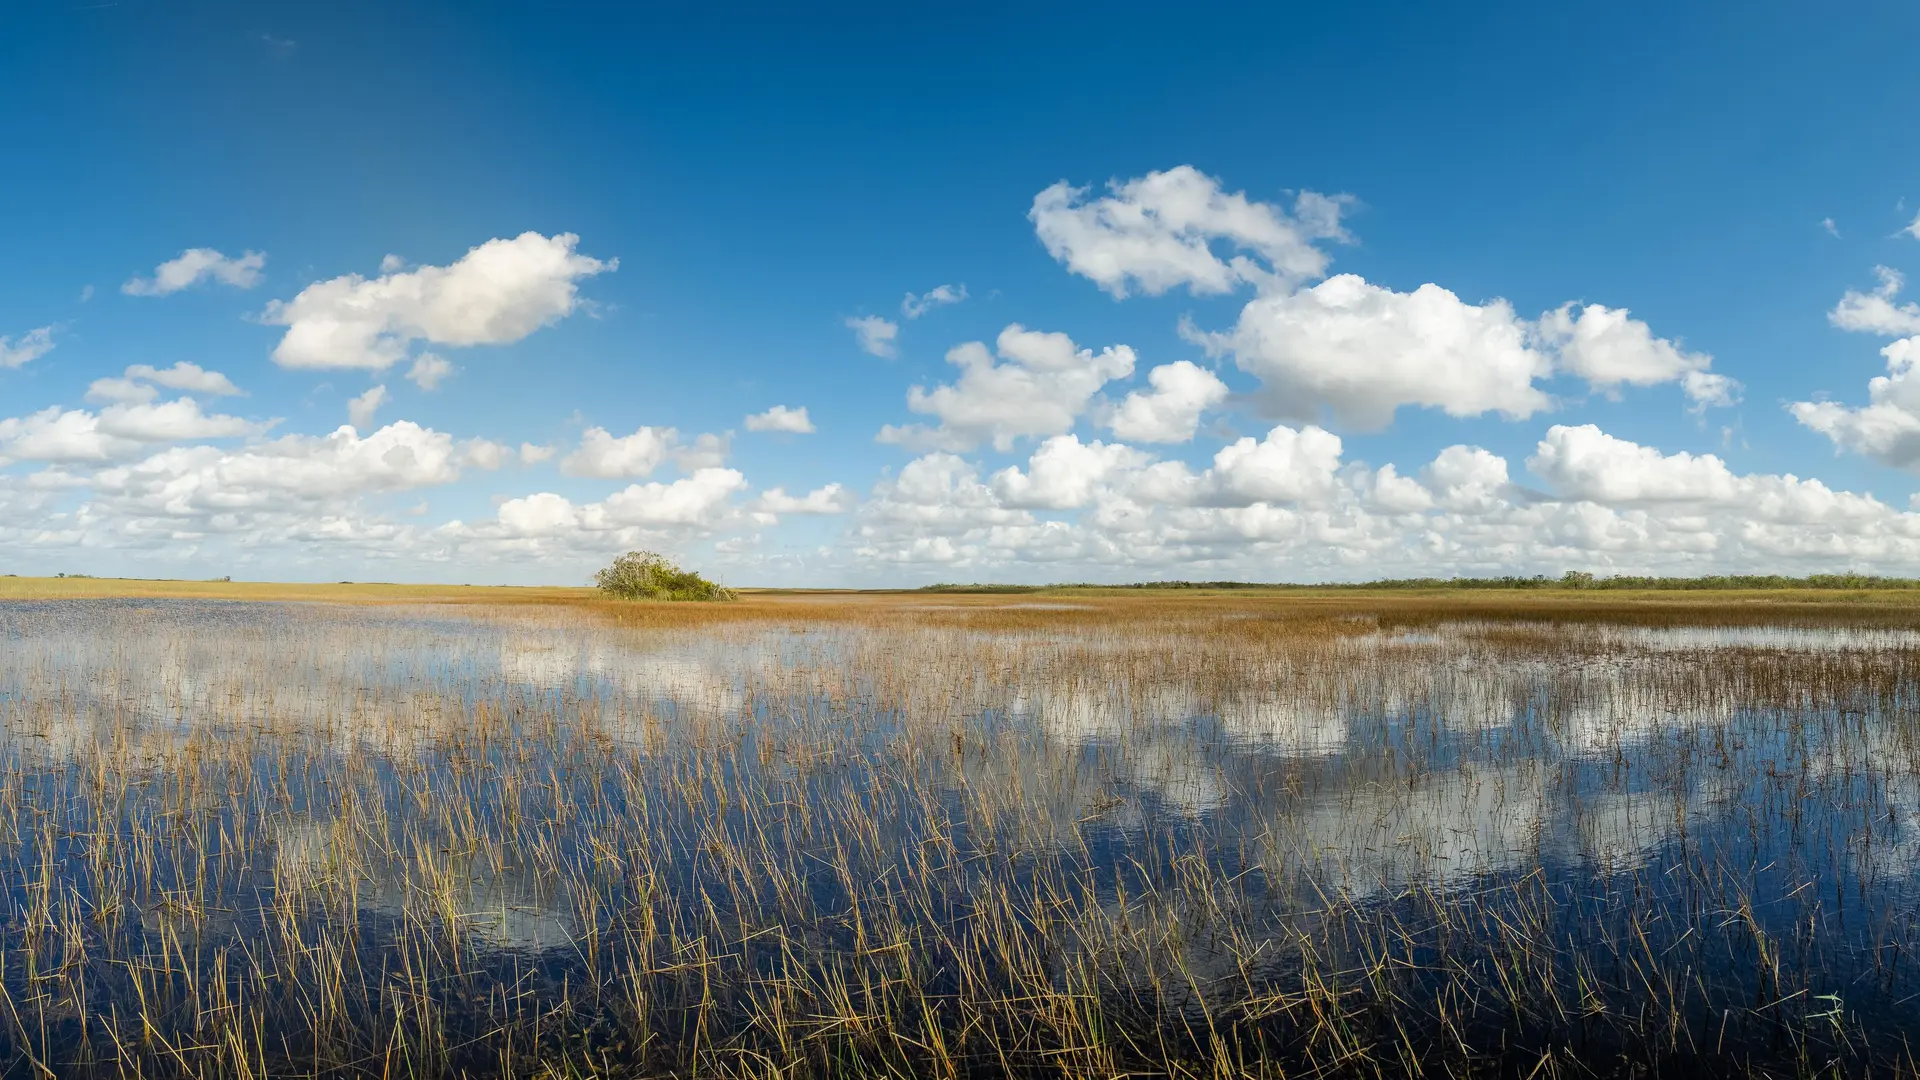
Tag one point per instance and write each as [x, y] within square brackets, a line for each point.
[648, 575]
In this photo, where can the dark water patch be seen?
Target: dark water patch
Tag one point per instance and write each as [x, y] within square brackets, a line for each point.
[300, 840]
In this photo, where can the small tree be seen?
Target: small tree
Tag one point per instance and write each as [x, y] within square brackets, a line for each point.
[648, 575]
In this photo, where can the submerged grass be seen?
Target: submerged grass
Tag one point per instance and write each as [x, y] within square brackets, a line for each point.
[960, 835]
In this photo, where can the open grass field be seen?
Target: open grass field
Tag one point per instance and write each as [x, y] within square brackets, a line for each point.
[1704, 603]
[358, 830]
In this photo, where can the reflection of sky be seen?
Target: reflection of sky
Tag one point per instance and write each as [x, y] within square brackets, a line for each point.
[505, 907]
[1367, 764]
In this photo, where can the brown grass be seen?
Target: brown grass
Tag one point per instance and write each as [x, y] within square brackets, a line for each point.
[1079, 834]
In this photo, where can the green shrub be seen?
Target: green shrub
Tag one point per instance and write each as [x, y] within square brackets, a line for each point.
[647, 575]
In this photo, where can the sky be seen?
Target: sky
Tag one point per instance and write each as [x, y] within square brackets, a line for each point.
[875, 296]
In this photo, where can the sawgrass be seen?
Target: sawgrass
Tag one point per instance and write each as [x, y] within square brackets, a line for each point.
[439, 831]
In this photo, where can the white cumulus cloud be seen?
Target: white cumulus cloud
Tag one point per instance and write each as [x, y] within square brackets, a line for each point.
[1344, 345]
[1157, 232]
[829, 499]
[1063, 473]
[360, 410]
[1887, 429]
[915, 306]
[196, 265]
[781, 418]
[1588, 464]
[118, 431]
[186, 376]
[429, 370]
[295, 473]
[1169, 412]
[141, 382]
[1288, 465]
[1876, 312]
[25, 349]
[1363, 351]
[1609, 349]
[697, 502]
[603, 455]
[497, 293]
[608, 457]
[1287, 507]
[875, 335]
[1044, 386]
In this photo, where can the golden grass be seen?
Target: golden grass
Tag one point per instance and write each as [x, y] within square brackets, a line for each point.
[1710, 605]
[1076, 834]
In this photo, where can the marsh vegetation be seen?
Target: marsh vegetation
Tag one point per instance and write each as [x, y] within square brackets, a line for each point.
[950, 835]
[648, 575]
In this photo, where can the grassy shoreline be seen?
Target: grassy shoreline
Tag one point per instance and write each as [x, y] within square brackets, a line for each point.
[834, 834]
[1390, 595]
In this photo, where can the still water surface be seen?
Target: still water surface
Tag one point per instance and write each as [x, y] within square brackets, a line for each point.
[309, 839]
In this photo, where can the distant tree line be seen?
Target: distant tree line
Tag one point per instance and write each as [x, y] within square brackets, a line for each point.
[1572, 579]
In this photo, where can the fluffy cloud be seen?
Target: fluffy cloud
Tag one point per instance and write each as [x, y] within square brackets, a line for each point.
[706, 451]
[1587, 464]
[1609, 349]
[875, 335]
[939, 296]
[196, 265]
[1170, 411]
[1887, 429]
[1286, 506]
[118, 431]
[693, 500]
[699, 501]
[303, 475]
[25, 349]
[141, 382]
[172, 421]
[830, 499]
[1389, 492]
[59, 435]
[1063, 473]
[1876, 312]
[604, 456]
[429, 370]
[186, 376]
[1157, 232]
[485, 454]
[1468, 478]
[936, 498]
[122, 390]
[1363, 351]
[1286, 466]
[781, 418]
[1045, 385]
[360, 410]
[1345, 345]
[497, 293]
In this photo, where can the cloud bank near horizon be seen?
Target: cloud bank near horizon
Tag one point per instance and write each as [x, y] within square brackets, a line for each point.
[1031, 457]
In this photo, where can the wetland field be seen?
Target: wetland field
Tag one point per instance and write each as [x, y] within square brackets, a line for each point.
[1075, 834]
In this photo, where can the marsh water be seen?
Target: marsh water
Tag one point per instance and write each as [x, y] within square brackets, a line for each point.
[952, 840]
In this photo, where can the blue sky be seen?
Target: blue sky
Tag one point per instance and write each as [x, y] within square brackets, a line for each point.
[1706, 186]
